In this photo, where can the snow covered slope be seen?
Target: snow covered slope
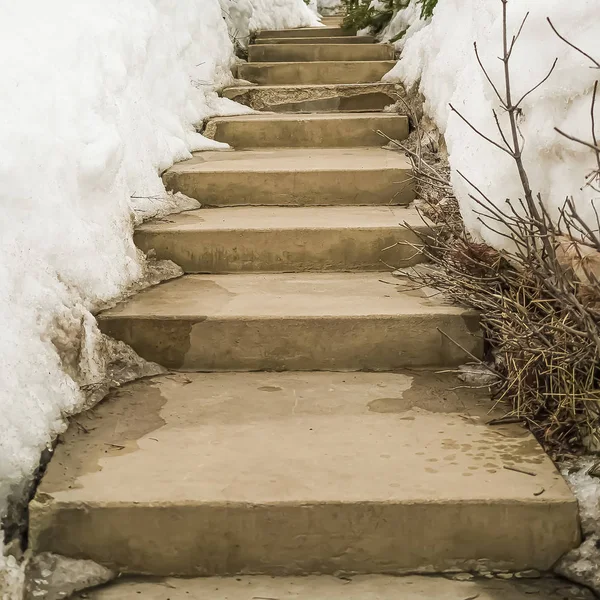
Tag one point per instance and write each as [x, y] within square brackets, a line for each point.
[440, 54]
[245, 16]
[97, 99]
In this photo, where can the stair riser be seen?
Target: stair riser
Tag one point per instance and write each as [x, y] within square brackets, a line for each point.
[284, 250]
[284, 539]
[380, 343]
[363, 39]
[297, 100]
[315, 72]
[333, 188]
[308, 32]
[322, 133]
[316, 52]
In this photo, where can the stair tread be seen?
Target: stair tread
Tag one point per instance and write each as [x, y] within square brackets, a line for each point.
[286, 295]
[321, 587]
[319, 52]
[294, 160]
[333, 71]
[286, 117]
[305, 32]
[298, 438]
[312, 130]
[265, 218]
[316, 63]
[348, 39]
[378, 85]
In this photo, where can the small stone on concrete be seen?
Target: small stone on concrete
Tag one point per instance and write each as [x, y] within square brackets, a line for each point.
[53, 577]
[528, 574]
[461, 577]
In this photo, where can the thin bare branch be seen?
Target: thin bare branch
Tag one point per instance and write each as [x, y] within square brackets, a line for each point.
[539, 84]
[487, 139]
[566, 41]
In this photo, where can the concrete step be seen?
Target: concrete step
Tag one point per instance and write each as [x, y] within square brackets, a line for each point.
[296, 177]
[319, 52]
[305, 32]
[342, 97]
[265, 239]
[307, 130]
[289, 322]
[362, 587]
[349, 39]
[292, 474]
[281, 73]
[332, 20]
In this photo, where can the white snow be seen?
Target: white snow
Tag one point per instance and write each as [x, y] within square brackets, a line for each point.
[246, 16]
[406, 21]
[97, 99]
[582, 564]
[329, 6]
[440, 54]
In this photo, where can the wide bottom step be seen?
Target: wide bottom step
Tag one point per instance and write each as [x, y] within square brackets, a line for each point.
[291, 474]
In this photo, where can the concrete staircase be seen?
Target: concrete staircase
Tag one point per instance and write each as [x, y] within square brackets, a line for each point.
[345, 450]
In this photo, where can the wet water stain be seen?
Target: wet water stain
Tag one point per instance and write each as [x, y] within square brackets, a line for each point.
[389, 405]
[117, 424]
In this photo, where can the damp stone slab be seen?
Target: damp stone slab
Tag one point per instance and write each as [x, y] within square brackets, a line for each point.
[365, 321]
[298, 473]
[363, 97]
[278, 239]
[316, 72]
[294, 177]
[328, 130]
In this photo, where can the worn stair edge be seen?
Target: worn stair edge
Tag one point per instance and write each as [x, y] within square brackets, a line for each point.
[307, 131]
[292, 322]
[315, 72]
[260, 239]
[241, 538]
[317, 98]
[319, 52]
[288, 177]
[350, 39]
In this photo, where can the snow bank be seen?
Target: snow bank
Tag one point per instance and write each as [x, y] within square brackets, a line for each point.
[440, 54]
[328, 7]
[246, 16]
[582, 564]
[97, 99]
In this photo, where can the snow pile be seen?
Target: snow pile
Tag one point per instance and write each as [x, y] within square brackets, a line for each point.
[247, 16]
[440, 54]
[280, 14]
[329, 7]
[582, 565]
[404, 24]
[97, 99]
